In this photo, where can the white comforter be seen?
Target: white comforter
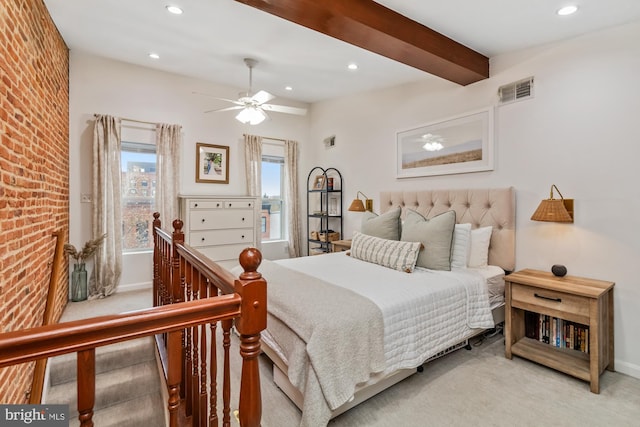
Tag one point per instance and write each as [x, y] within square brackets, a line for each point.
[424, 312]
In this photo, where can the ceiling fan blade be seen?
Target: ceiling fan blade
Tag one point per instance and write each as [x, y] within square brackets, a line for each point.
[233, 101]
[284, 109]
[262, 97]
[238, 107]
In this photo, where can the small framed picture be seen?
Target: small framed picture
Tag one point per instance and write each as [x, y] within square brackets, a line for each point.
[212, 163]
[318, 183]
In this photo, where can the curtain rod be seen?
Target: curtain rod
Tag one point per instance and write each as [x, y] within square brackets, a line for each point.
[272, 139]
[131, 120]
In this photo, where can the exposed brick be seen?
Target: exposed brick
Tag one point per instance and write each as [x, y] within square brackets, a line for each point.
[34, 126]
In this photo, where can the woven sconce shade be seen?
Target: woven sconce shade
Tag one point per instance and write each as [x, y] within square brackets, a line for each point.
[554, 210]
[358, 206]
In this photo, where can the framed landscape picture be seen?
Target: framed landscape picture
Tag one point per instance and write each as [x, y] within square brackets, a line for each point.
[456, 145]
[212, 163]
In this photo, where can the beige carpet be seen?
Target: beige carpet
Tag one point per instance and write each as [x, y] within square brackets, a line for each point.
[479, 387]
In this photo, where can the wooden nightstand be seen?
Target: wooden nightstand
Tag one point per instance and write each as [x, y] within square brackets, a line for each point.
[579, 304]
[340, 245]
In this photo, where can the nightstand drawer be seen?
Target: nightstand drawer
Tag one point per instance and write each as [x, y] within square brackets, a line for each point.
[549, 299]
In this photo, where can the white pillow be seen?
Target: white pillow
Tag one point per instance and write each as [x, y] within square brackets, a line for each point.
[461, 245]
[394, 254]
[479, 251]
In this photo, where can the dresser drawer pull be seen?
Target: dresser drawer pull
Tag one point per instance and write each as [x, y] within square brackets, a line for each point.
[243, 236]
[202, 239]
[202, 219]
[549, 298]
[195, 205]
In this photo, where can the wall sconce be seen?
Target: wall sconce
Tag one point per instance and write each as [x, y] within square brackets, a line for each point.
[554, 210]
[358, 206]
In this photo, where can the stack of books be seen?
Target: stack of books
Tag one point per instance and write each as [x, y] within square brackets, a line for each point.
[556, 332]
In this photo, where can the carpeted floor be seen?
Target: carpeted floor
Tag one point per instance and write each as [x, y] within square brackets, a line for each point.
[469, 387]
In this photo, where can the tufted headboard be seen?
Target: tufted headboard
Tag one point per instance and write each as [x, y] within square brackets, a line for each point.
[480, 207]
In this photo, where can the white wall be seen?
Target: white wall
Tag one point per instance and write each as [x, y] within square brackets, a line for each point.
[103, 86]
[578, 132]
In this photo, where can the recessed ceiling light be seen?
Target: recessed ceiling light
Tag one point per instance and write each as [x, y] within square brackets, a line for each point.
[175, 10]
[288, 88]
[154, 56]
[567, 10]
[352, 66]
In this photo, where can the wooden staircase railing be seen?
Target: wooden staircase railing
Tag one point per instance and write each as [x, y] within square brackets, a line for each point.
[181, 274]
[245, 304]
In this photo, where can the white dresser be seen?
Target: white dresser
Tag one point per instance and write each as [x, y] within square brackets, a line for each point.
[220, 226]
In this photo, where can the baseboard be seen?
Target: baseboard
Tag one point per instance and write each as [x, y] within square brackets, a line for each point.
[628, 369]
[135, 286]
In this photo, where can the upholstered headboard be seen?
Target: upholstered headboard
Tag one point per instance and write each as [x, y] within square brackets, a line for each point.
[480, 207]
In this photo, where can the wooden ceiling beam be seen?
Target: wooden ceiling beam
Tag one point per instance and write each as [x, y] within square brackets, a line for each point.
[371, 26]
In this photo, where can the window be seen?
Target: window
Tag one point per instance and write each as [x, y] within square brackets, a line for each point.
[273, 203]
[138, 169]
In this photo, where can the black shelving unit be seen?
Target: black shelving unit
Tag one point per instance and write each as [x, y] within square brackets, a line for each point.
[324, 207]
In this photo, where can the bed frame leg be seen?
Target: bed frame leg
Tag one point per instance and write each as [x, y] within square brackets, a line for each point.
[468, 346]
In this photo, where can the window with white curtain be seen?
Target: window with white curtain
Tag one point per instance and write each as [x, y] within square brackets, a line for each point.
[138, 162]
[273, 203]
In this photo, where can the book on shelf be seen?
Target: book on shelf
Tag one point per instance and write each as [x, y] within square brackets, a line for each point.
[556, 332]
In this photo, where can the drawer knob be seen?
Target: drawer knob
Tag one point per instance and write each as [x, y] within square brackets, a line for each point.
[195, 205]
[547, 298]
[218, 205]
[242, 219]
[202, 219]
[229, 204]
[202, 239]
[243, 236]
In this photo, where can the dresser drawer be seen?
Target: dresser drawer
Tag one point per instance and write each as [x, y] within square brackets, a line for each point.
[239, 204]
[220, 218]
[206, 204]
[221, 237]
[549, 299]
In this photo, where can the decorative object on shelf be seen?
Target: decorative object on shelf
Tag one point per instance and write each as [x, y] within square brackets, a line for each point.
[79, 273]
[559, 270]
[318, 182]
[330, 183]
[554, 210]
[456, 145]
[212, 163]
[358, 206]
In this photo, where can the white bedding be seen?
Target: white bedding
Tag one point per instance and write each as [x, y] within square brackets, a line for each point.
[424, 312]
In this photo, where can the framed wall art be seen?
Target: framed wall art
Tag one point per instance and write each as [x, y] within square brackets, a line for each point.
[212, 163]
[459, 144]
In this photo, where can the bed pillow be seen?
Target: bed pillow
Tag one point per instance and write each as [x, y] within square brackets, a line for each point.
[479, 250]
[436, 234]
[385, 226]
[461, 245]
[394, 254]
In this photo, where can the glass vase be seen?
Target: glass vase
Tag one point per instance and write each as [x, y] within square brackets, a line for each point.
[78, 283]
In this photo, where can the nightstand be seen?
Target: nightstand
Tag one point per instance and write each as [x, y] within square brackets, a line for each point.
[340, 245]
[573, 314]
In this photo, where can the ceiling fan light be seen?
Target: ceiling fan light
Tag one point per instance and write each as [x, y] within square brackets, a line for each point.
[251, 115]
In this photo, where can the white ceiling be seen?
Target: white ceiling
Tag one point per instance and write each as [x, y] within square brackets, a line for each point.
[210, 39]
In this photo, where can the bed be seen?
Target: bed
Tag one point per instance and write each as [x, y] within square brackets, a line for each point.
[341, 329]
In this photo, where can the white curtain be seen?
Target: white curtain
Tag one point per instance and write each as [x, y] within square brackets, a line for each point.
[253, 170]
[107, 216]
[291, 196]
[168, 142]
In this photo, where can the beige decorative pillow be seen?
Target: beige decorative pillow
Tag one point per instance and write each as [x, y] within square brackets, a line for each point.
[436, 234]
[385, 226]
[394, 254]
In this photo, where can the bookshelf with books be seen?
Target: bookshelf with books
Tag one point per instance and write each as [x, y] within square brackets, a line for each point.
[565, 323]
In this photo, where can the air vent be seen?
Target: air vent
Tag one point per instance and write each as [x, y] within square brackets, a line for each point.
[516, 91]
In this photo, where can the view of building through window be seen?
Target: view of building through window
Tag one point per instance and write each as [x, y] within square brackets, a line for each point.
[138, 182]
[272, 213]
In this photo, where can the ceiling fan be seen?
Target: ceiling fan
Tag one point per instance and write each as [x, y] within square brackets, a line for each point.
[253, 106]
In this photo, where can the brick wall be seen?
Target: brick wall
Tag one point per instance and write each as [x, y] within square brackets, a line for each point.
[34, 171]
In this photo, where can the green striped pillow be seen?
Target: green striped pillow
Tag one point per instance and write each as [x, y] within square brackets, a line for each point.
[387, 253]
